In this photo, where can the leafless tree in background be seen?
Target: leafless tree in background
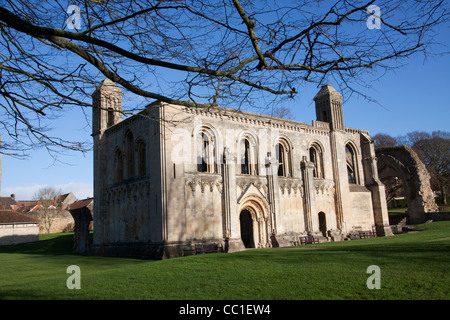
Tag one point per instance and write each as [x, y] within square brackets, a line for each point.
[47, 195]
[237, 54]
[48, 198]
[384, 140]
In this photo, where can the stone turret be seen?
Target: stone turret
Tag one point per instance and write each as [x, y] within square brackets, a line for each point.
[107, 111]
[329, 107]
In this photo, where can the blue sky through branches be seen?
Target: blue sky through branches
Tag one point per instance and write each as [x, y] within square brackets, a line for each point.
[413, 97]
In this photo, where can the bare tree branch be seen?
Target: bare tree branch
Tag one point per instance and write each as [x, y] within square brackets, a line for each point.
[231, 53]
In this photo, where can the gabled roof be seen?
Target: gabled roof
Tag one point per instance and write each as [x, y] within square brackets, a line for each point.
[80, 204]
[28, 206]
[64, 200]
[26, 203]
[10, 217]
[63, 197]
[7, 203]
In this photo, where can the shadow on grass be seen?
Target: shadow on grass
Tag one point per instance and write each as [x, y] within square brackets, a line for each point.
[57, 244]
[62, 244]
[60, 248]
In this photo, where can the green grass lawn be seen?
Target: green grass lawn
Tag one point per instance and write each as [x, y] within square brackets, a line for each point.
[413, 266]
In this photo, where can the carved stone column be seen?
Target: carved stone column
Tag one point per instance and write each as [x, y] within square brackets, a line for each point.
[226, 193]
[230, 217]
[272, 185]
[337, 182]
[308, 187]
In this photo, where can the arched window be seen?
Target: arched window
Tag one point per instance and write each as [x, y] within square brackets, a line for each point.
[280, 158]
[118, 166]
[142, 157]
[129, 154]
[202, 152]
[316, 157]
[110, 118]
[350, 157]
[282, 152]
[245, 161]
[205, 144]
[248, 157]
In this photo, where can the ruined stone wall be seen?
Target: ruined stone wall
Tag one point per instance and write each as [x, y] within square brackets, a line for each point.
[58, 220]
[404, 163]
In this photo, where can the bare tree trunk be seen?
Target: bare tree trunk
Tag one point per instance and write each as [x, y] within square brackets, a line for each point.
[444, 195]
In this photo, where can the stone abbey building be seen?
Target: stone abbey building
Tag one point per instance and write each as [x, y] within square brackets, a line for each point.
[171, 177]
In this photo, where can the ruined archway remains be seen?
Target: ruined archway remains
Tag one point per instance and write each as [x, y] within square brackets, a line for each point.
[403, 162]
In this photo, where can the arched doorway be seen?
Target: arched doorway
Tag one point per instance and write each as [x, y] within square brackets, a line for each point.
[323, 223]
[247, 229]
[254, 222]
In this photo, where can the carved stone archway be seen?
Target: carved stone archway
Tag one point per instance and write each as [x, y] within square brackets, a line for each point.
[403, 162]
[247, 230]
[258, 210]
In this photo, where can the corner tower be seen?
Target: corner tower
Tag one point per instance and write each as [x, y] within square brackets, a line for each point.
[107, 110]
[329, 107]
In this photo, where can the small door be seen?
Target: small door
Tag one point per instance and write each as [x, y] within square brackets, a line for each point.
[247, 229]
[323, 223]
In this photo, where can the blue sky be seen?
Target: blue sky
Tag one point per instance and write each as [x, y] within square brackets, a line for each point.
[414, 97]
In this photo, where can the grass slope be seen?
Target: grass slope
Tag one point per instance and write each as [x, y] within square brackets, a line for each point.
[413, 266]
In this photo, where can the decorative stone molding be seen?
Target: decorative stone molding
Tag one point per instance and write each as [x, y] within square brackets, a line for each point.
[264, 121]
[204, 181]
[324, 186]
[259, 182]
[123, 191]
[290, 185]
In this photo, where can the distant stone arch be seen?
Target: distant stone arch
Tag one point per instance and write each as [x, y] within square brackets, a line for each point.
[403, 162]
